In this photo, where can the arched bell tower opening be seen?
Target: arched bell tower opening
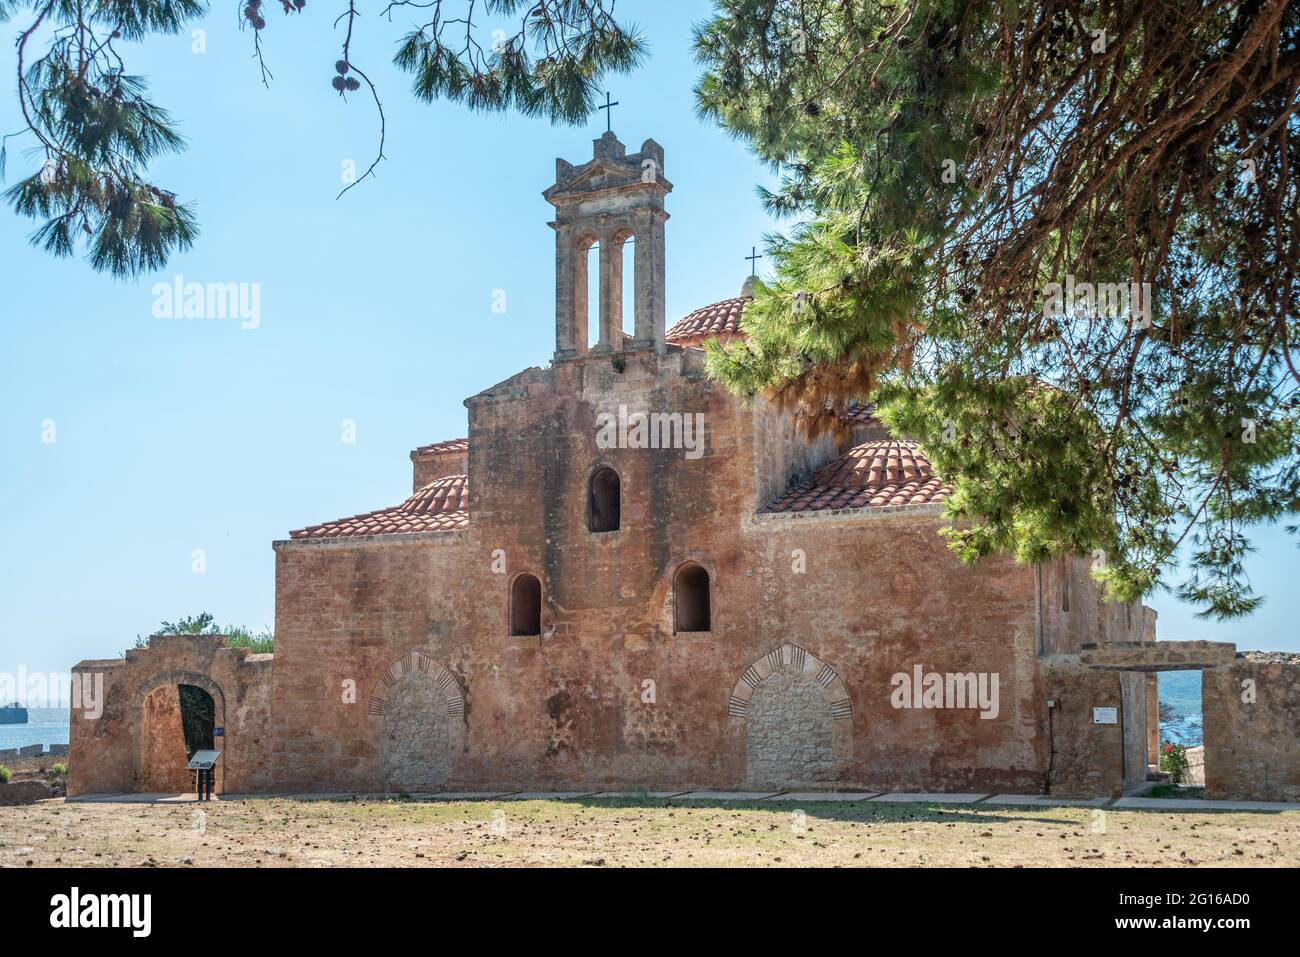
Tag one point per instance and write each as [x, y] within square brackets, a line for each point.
[614, 201]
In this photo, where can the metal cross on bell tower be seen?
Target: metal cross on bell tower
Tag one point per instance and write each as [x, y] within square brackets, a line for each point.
[608, 107]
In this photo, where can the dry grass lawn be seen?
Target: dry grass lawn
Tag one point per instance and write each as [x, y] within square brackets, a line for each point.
[644, 832]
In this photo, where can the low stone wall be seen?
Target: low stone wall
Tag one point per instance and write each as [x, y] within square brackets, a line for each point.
[26, 765]
[110, 751]
[1251, 705]
[32, 751]
[24, 792]
[1088, 759]
[1252, 728]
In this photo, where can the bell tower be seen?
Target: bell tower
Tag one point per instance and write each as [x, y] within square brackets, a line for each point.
[614, 198]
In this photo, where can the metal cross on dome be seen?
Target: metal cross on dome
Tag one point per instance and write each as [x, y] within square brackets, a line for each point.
[609, 114]
[753, 258]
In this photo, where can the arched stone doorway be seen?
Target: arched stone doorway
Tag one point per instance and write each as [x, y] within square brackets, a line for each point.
[163, 740]
[418, 710]
[796, 717]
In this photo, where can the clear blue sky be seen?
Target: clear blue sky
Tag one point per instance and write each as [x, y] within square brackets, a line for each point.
[174, 435]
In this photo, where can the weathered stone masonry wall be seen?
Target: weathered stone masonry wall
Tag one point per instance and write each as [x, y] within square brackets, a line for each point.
[1087, 760]
[345, 612]
[395, 670]
[880, 593]
[1252, 728]
[106, 751]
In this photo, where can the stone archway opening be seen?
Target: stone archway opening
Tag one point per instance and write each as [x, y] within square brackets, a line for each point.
[525, 606]
[178, 714]
[604, 497]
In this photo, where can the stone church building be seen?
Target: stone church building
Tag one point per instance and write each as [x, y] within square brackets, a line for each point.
[627, 577]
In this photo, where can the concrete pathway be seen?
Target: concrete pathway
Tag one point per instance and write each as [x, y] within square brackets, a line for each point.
[1045, 800]
[906, 797]
[801, 797]
[468, 795]
[725, 795]
[549, 795]
[136, 799]
[1186, 804]
[811, 796]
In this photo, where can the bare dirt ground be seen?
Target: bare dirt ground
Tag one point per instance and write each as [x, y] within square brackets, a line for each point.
[637, 832]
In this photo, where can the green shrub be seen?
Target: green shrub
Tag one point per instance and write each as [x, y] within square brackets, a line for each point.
[60, 770]
[1173, 758]
[4, 774]
[261, 643]
[204, 623]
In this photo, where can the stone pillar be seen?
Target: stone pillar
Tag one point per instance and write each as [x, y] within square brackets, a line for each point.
[650, 279]
[1153, 719]
[1133, 728]
[611, 294]
[570, 306]
[581, 258]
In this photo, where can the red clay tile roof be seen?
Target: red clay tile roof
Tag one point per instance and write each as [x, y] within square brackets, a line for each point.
[874, 474]
[451, 445]
[720, 320]
[440, 506]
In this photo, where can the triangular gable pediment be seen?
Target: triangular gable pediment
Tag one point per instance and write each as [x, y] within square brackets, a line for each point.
[595, 175]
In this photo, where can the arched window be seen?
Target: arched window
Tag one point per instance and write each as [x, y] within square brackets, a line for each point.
[603, 501]
[526, 606]
[691, 598]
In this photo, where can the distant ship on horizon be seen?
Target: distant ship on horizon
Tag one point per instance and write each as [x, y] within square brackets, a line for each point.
[12, 714]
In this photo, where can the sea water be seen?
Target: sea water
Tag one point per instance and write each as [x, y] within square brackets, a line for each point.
[1181, 690]
[44, 726]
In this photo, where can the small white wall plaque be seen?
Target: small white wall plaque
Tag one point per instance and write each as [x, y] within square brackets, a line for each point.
[1105, 716]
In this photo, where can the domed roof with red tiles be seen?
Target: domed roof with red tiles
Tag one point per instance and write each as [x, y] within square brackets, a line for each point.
[440, 506]
[875, 465]
[721, 320]
[444, 496]
[871, 475]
